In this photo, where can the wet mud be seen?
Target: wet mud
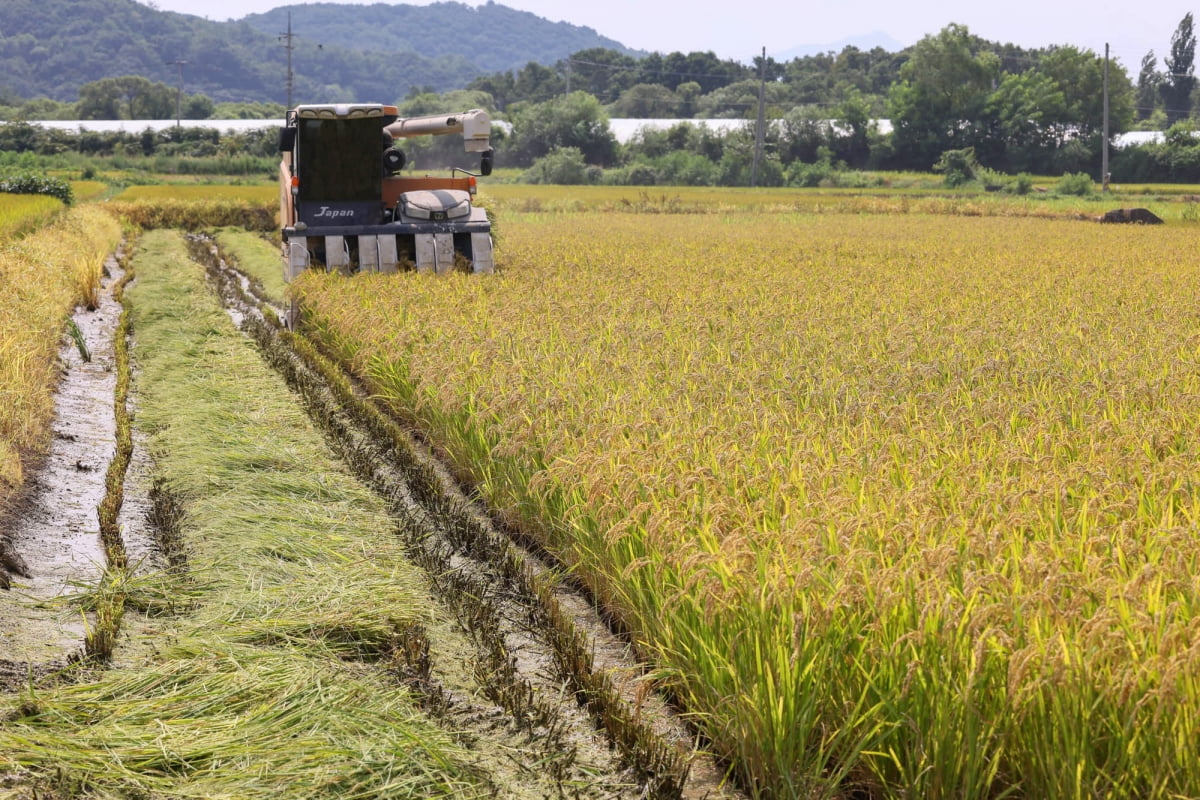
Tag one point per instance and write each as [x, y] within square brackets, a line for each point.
[54, 530]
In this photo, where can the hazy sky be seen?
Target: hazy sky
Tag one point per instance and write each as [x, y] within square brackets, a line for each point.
[739, 29]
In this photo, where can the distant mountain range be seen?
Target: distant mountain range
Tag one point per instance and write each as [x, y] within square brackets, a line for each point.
[866, 41]
[492, 38]
[49, 48]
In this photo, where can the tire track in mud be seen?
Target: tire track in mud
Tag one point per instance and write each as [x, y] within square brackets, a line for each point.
[544, 654]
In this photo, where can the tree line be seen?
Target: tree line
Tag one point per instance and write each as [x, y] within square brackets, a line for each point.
[50, 48]
[1012, 109]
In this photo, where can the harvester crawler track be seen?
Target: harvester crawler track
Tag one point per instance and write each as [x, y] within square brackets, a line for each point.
[540, 639]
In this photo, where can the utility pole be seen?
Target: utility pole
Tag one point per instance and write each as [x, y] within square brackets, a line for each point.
[760, 127]
[178, 91]
[1104, 146]
[286, 38]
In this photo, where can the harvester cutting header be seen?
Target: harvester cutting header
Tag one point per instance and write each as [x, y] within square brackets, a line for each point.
[343, 204]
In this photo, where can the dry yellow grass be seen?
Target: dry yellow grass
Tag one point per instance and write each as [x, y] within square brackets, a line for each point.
[268, 193]
[904, 503]
[42, 277]
[88, 190]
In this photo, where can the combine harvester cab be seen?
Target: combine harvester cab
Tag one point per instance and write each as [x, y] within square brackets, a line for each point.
[343, 205]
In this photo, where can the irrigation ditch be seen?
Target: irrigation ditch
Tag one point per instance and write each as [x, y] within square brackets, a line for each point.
[64, 528]
[514, 665]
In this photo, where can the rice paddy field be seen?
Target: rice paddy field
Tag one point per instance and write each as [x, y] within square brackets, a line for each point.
[896, 493]
[906, 196]
[200, 192]
[23, 212]
[198, 207]
[895, 504]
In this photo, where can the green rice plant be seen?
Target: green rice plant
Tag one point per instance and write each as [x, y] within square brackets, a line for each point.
[260, 259]
[85, 190]
[77, 337]
[220, 192]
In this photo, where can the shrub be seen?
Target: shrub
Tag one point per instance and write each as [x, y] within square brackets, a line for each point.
[991, 180]
[1023, 184]
[959, 166]
[563, 165]
[29, 183]
[809, 175]
[1075, 183]
[641, 175]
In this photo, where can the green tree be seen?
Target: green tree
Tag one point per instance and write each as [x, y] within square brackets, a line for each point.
[942, 91]
[809, 78]
[126, 97]
[1181, 67]
[740, 100]
[688, 94]
[248, 111]
[575, 120]
[1029, 118]
[20, 137]
[803, 133]
[646, 101]
[457, 100]
[853, 118]
[736, 165]
[601, 72]
[537, 83]
[198, 106]
[1051, 118]
[1149, 87]
[1079, 75]
[502, 88]
[703, 68]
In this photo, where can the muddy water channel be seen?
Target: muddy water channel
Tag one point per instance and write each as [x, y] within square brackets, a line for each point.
[513, 662]
[53, 539]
